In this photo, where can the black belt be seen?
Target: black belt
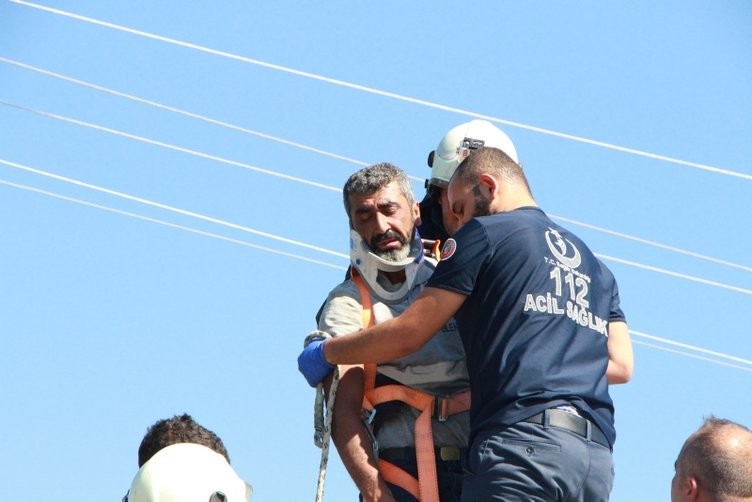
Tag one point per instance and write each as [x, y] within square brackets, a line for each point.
[445, 453]
[571, 422]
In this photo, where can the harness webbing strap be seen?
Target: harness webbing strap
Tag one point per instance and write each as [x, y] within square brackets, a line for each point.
[425, 454]
[369, 370]
[427, 482]
[399, 477]
[436, 249]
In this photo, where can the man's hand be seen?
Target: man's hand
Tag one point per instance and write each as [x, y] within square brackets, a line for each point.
[312, 364]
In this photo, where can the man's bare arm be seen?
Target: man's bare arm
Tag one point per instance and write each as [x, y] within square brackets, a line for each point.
[620, 354]
[400, 336]
[353, 441]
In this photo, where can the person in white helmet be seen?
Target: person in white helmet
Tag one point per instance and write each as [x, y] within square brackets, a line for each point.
[182, 461]
[388, 270]
[437, 220]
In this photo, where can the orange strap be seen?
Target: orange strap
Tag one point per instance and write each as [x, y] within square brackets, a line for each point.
[399, 477]
[369, 369]
[436, 249]
[424, 448]
[456, 403]
[425, 488]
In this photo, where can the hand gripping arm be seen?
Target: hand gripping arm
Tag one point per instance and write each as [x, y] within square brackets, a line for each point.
[311, 362]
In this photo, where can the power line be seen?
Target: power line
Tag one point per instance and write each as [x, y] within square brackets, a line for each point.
[371, 90]
[323, 152]
[717, 357]
[316, 248]
[168, 224]
[169, 208]
[692, 347]
[674, 274]
[653, 243]
[169, 146]
[185, 113]
[694, 356]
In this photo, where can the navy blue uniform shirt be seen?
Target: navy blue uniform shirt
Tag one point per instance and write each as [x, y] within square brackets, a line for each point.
[534, 323]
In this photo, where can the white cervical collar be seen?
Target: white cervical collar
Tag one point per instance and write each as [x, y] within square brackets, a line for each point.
[369, 264]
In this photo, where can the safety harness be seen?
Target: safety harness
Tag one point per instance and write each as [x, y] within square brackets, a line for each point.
[425, 486]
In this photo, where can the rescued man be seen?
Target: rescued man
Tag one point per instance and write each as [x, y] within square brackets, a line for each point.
[387, 256]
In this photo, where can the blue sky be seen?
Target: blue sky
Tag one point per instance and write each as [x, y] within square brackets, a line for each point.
[154, 262]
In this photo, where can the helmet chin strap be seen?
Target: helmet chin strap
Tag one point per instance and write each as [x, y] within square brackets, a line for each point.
[369, 264]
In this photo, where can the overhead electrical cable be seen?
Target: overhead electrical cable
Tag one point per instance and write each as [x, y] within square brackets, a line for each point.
[674, 274]
[185, 113]
[653, 243]
[704, 354]
[324, 250]
[692, 347]
[334, 155]
[379, 92]
[694, 356]
[169, 208]
[169, 146]
[168, 224]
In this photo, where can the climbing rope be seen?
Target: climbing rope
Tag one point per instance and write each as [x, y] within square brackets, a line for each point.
[322, 418]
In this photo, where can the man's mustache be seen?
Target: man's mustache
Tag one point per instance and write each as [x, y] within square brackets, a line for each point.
[387, 236]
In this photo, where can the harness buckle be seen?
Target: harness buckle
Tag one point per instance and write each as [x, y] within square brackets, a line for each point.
[448, 453]
[441, 408]
[367, 416]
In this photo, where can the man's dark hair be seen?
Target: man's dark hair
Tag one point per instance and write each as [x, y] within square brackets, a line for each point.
[373, 178]
[719, 456]
[178, 429]
[493, 161]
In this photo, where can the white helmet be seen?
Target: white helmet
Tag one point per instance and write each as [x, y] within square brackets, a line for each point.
[188, 472]
[369, 263]
[458, 143]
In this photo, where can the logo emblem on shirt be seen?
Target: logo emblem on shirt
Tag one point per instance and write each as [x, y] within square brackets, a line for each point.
[448, 249]
[563, 249]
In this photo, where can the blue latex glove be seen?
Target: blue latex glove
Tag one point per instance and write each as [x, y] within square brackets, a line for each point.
[312, 364]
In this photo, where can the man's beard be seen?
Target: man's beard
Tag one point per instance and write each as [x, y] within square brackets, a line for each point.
[394, 255]
[482, 204]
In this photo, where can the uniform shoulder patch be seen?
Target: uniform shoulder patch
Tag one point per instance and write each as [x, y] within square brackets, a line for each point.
[448, 249]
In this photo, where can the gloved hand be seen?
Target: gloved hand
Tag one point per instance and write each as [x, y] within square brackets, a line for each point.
[312, 364]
